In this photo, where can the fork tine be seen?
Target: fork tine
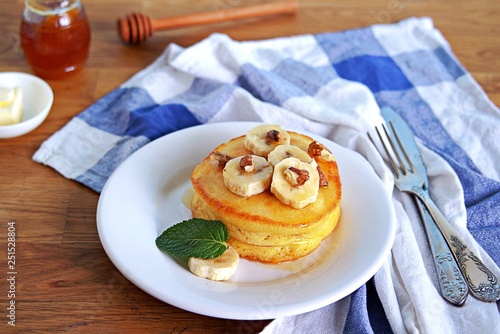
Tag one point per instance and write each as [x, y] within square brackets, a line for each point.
[395, 168]
[402, 148]
[399, 168]
[402, 165]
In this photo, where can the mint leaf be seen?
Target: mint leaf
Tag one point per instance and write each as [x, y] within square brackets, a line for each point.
[195, 237]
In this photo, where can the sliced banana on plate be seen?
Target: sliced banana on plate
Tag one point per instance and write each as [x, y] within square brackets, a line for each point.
[217, 269]
[284, 151]
[247, 175]
[262, 139]
[295, 183]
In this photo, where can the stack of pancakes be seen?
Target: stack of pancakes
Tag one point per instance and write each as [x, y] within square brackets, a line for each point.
[261, 228]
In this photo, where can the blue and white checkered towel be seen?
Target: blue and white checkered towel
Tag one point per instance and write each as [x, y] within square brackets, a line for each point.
[331, 84]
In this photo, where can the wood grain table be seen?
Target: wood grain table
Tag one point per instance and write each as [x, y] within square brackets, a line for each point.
[64, 281]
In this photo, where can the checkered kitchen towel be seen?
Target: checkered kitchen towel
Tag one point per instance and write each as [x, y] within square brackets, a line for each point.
[331, 84]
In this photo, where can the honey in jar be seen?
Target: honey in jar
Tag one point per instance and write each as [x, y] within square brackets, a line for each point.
[55, 37]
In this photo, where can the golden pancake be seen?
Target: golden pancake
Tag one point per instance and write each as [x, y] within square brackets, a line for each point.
[261, 227]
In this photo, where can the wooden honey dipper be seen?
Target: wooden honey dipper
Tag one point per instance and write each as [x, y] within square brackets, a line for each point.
[136, 27]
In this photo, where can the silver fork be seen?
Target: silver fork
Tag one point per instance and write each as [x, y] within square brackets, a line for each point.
[483, 284]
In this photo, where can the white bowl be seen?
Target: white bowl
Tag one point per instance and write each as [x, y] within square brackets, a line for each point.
[37, 101]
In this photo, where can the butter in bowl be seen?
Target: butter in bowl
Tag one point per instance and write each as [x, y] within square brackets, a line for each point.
[11, 105]
[25, 102]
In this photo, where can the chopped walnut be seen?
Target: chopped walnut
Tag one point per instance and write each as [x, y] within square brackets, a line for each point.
[272, 136]
[297, 176]
[318, 150]
[323, 182]
[220, 157]
[315, 149]
[246, 163]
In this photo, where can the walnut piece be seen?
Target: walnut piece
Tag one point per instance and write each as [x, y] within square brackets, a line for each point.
[273, 136]
[297, 176]
[220, 157]
[323, 182]
[318, 150]
[246, 163]
[315, 149]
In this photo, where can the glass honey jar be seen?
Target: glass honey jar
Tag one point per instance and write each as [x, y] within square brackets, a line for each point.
[55, 37]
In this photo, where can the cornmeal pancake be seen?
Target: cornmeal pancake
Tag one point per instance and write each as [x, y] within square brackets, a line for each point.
[261, 227]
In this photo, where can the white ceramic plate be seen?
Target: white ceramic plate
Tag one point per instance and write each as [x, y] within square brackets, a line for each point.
[37, 101]
[144, 196]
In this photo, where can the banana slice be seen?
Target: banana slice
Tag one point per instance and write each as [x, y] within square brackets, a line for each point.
[218, 269]
[318, 150]
[262, 139]
[295, 183]
[247, 175]
[284, 151]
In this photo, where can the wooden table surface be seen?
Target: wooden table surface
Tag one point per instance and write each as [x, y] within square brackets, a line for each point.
[64, 281]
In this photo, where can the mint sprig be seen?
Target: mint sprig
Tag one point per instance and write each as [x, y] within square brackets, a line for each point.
[194, 237]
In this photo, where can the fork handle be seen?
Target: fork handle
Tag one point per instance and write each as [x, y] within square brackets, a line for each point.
[451, 281]
[483, 284]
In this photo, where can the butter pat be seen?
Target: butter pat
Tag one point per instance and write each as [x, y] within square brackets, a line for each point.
[11, 105]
